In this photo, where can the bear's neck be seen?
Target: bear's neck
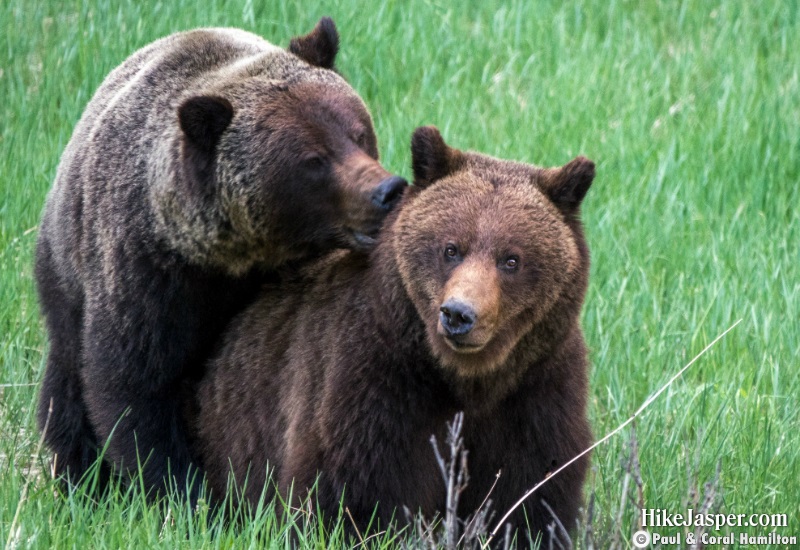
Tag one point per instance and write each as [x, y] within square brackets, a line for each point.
[393, 311]
[535, 362]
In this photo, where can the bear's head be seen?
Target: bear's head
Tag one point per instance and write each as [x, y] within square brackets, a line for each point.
[491, 251]
[283, 152]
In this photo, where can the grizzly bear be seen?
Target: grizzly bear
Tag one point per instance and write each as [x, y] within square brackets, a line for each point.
[205, 162]
[470, 302]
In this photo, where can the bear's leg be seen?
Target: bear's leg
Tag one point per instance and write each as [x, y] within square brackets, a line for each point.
[136, 356]
[142, 427]
[62, 416]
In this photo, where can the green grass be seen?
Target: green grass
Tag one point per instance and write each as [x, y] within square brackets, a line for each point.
[690, 109]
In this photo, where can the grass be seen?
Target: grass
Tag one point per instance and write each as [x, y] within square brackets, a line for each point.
[690, 109]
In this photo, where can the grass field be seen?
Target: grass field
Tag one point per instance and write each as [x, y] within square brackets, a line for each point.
[691, 111]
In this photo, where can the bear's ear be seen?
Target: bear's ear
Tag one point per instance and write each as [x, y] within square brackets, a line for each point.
[566, 186]
[203, 119]
[431, 158]
[320, 46]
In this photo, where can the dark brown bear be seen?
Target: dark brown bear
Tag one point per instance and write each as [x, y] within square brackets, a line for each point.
[470, 301]
[204, 161]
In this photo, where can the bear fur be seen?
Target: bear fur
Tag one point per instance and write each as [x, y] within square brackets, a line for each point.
[346, 371]
[203, 163]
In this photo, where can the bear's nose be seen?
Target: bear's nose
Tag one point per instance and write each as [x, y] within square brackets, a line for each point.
[388, 192]
[457, 318]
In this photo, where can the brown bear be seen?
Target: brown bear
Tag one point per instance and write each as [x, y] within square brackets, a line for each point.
[203, 163]
[470, 301]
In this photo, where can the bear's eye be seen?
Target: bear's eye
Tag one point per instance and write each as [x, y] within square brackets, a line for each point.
[450, 251]
[511, 263]
[313, 163]
[361, 139]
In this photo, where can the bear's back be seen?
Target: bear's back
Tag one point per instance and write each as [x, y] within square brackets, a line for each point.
[151, 81]
[173, 63]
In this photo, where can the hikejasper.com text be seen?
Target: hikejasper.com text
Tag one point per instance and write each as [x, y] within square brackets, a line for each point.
[656, 517]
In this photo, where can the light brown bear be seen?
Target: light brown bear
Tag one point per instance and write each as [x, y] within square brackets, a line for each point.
[469, 302]
[205, 161]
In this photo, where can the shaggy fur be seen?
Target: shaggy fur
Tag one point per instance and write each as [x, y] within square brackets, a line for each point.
[204, 161]
[346, 371]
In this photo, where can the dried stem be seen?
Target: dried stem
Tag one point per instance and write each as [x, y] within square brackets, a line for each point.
[24, 495]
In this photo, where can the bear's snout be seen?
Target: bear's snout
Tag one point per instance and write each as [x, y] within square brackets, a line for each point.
[470, 306]
[367, 193]
[365, 221]
[456, 318]
[388, 192]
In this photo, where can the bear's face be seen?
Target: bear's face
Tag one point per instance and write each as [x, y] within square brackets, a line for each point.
[281, 162]
[313, 180]
[485, 249]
